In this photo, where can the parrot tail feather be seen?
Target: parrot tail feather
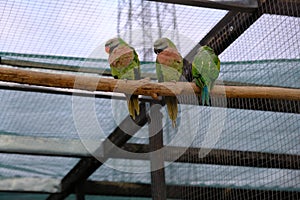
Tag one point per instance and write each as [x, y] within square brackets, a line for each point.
[172, 109]
[135, 100]
[205, 96]
[133, 105]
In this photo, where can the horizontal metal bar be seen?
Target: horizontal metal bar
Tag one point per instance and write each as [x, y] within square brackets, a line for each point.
[236, 5]
[152, 76]
[140, 87]
[44, 146]
[216, 157]
[70, 92]
[30, 185]
[126, 189]
[185, 191]
[50, 66]
[275, 105]
[66, 68]
[74, 148]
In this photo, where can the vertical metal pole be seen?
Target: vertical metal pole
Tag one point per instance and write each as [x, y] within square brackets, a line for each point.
[119, 17]
[80, 196]
[130, 21]
[79, 192]
[158, 183]
[158, 20]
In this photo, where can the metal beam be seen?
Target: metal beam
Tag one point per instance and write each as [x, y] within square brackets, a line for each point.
[275, 105]
[217, 157]
[158, 181]
[234, 23]
[67, 68]
[30, 185]
[69, 92]
[236, 5]
[230, 27]
[140, 87]
[186, 191]
[64, 68]
[125, 189]
[280, 7]
[87, 166]
[50, 66]
[43, 146]
[74, 148]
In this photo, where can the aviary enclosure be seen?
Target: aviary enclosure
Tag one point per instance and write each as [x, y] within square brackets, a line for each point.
[65, 128]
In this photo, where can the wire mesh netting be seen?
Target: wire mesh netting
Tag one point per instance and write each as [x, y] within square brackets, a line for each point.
[69, 36]
[71, 28]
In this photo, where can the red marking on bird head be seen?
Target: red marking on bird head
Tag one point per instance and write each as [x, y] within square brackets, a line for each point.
[107, 49]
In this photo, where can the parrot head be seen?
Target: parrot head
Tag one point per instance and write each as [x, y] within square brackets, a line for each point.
[161, 44]
[111, 44]
[206, 48]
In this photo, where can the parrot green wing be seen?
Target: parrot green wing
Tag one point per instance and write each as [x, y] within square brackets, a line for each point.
[205, 70]
[136, 66]
[159, 74]
[206, 67]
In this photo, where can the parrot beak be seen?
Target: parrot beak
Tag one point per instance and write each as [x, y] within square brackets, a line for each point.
[157, 51]
[107, 49]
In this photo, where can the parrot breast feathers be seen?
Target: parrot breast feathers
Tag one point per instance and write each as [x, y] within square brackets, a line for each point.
[121, 57]
[169, 56]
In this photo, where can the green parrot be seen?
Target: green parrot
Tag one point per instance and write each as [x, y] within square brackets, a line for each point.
[169, 67]
[124, 64]
[205, 70]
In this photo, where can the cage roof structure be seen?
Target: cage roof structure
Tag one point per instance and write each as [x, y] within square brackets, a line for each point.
[54, 134]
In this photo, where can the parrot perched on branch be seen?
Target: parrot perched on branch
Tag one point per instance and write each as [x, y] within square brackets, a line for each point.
[169, 67]
[124, 64]
[205, 70]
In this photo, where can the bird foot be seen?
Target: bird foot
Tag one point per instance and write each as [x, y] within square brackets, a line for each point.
[147, 79]
[154, 96]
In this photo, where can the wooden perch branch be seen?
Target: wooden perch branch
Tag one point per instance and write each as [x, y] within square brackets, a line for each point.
[141, 87]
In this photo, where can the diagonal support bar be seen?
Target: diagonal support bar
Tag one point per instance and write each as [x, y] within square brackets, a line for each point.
[87, 166]
[230, 27]
[234, 23]
[280, 7]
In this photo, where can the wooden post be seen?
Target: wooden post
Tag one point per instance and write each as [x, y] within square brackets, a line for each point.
[158, 183]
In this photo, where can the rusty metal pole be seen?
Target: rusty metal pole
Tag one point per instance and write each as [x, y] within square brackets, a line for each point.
[158, 182]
